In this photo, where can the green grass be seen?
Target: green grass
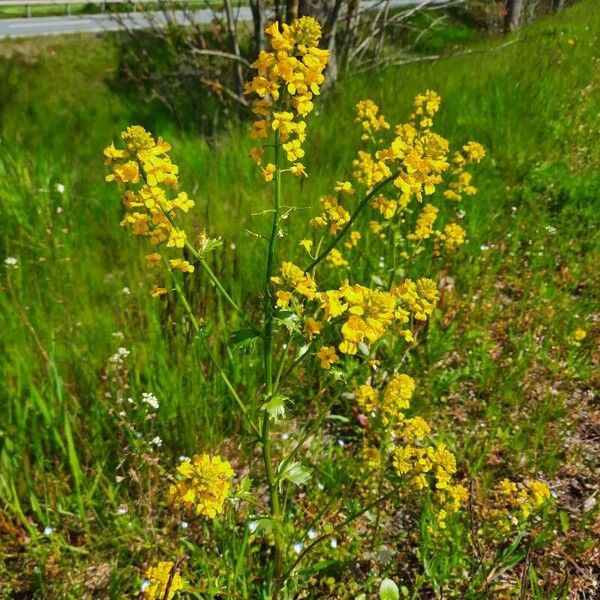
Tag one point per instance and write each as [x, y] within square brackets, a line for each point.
[497, 375]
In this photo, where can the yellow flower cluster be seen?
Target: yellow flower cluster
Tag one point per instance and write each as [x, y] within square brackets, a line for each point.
[368, 313]
[419, 461]
[453, 236]
[390, 405]
[424, 226]
[527, 498]
[460, 184]
[421, 296]
[158, 581]
[367, 114]
[151, 210]
[334, 214]
[288, 76]
[409, 456]
[204, 485]
[425, 107]
[296, 280]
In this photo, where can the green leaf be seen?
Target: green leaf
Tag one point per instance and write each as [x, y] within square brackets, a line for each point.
[564, 520]
[295, 472]
[207, 245]
[288, 318]
[243, 490]
[388, 590]
[243, 338]
[275, 407]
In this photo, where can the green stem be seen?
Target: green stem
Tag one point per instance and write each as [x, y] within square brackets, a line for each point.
[215, 280]
[210, 353]
[337, 528]
[268, 373]
[350, 222]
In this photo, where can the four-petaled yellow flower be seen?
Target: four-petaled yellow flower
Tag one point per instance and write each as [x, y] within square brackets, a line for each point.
[204, 485]
[328, 356]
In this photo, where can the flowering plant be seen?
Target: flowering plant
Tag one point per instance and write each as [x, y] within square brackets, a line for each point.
[320, 311]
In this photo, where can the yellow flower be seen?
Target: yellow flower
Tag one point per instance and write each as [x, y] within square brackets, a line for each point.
[268, 172]
[293, 150]
[335, 259]
[298, 170]
[283, 298]
[153, 260]
[328, 356]
[312, 327]
[181, 265]
[128, 172]
[398, 392]
[158, 578]
[182, 202]
[307, 245]
[293, 276]
[177, 239]
[367, 398]
[453, 236]
[344, 187]
[204, 486]
[578, 336]
[112, 153]
[353, 239]
[385, 206]
[424, 226]
[158, 291]
[421, 297]
[256, 155]
[331, 304]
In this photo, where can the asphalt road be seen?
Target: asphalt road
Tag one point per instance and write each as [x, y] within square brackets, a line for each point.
[35, 26]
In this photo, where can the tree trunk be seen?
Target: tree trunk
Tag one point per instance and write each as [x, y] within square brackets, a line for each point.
[559, 5]
[514, 13]
[258, 19]
[238, 76]
[291, 11]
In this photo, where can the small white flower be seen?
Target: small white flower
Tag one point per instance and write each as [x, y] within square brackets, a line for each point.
[461, 214]
[312, 534]
[144, 585]
[59, 210]
[151, 399]
[156, 441]
[297, 547]
[232, 246]
[184, 459]
[285, 436]
[122, 510]
[11, 262]
[333, 543]
[183, 525]
[126, 291]
[118, 334]
[341, 443]
[252, 526]
[484, 247]
[59, 187]
[48, 530]
[550, 229]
